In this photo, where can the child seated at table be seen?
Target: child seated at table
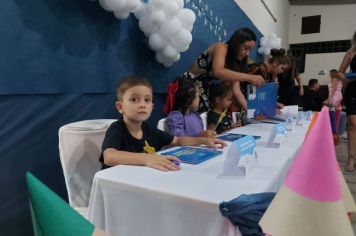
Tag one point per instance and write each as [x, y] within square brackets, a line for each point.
[219, 120]
[184, 120]
[131, 141]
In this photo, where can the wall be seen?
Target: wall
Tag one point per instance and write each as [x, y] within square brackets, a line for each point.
[263, 21]
[321, 61]
[338, 22]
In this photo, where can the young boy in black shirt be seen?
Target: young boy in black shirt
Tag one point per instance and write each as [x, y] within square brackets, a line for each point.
[131, 141]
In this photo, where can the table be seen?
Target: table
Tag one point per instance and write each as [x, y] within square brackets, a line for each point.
[136, 200]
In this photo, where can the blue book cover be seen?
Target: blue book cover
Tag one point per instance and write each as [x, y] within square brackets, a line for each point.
[262, 100]
[192, 155]
[234, 137]
[350, 75]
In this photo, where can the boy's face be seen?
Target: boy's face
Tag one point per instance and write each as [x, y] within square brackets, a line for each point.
[136, 104]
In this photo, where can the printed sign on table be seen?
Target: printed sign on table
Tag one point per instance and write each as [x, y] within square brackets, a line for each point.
[241, 157]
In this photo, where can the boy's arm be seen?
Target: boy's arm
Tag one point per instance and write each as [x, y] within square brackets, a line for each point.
[114, 157]
[195, 141]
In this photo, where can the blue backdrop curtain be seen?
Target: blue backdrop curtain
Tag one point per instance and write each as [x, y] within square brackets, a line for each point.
[60, 61]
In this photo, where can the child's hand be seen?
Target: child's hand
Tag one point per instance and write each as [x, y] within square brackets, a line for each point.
[208, 134]
[212, 142]
[163, 163]
[260, 117]
[237, 124]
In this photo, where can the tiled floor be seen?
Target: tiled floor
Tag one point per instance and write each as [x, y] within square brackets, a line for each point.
[350, 177]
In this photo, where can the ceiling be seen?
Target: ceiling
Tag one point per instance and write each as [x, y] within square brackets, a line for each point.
[321, 2]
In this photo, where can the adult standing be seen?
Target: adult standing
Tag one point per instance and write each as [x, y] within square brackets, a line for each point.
[350, 103]
[288, 92]
[226, 62]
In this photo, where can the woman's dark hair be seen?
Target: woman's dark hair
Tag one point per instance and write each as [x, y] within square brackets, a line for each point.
[279, 56]
[218, 89]
[234, 45]
[186, 92]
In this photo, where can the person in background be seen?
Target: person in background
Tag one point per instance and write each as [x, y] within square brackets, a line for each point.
[288, 92]
[312, 99]
[334, 99]
[226, 62]
[350, 103]
[185, 120]
[220, 96]
[275, 65]
[131, 141]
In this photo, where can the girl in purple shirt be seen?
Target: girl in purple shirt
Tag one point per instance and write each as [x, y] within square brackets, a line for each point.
[184, 120]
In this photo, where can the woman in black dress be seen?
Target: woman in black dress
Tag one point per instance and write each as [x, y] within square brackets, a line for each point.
[226, 62]
[350, 103]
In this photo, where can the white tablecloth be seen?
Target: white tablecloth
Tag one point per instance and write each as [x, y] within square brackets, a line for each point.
[136, 200]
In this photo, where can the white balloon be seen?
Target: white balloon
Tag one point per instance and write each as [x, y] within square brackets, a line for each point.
[190, 28]
[171, 8]
[183, 49]
[263, 41]
[169, 52]
[177, 57]
[140, 11]
[146, 25]
[260, 50]
[159, 57]
[171, 27]
[156, 4]
[180, 3]
[132, 4]
[168, 64]
[267, 51]
[104, 5]
[181, 40]
[186, 17]
[116, 5]
[156, 42]
[158, 17]
[121, 14]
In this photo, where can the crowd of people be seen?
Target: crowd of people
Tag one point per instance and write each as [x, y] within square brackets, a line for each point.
[216, 83]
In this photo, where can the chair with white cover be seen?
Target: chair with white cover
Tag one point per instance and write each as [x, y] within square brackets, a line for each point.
[79, 151]
[162, 125]
[204, 117]
[234, 116]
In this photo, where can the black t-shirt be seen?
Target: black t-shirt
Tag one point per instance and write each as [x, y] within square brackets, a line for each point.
[225, 124]
[312, 100]
[119, 137]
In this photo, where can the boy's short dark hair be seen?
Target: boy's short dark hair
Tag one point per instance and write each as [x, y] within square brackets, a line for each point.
[312, 82]
[129, 82]
[218, 89]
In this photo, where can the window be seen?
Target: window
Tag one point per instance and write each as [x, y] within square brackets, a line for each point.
[311, 24]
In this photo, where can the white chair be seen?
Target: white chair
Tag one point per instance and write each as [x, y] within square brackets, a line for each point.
[204, 117]
[234, 116]
[79, 152]
[162, 125]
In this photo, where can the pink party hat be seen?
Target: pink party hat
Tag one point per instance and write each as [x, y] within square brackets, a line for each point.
[314, 172]
[310, 201]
